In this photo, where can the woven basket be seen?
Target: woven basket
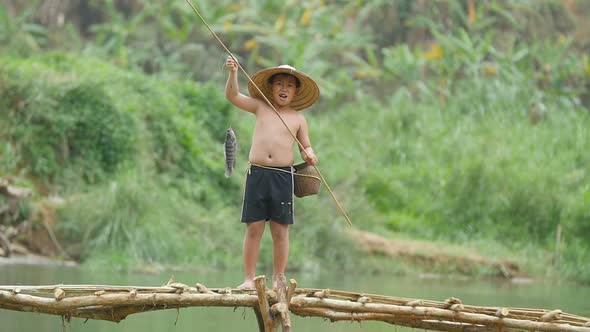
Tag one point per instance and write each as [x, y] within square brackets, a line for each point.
[306, 180]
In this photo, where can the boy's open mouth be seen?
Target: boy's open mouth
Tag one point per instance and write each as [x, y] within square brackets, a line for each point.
[283, 95]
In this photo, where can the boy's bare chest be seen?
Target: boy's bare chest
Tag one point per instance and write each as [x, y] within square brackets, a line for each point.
[271, 122]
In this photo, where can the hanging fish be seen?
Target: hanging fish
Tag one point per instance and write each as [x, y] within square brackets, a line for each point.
[229, 152]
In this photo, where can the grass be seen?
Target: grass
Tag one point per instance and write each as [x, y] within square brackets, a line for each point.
[434, 172]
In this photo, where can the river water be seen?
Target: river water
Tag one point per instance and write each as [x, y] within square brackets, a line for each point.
[523, 293]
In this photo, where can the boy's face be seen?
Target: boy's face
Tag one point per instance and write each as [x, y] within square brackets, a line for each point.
[284, 88]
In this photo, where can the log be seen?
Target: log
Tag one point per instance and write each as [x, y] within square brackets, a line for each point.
[120, 305]
[441, 314]
[518, 313]
[322, 294]
[281, 309]
[457, 307]
[115, 303]
[551, 315]
[13, 192]
[291, 290]
[263, 305]
[436, 325]
[415, 303]
[202, 289]
[364, 299]
[502, 312]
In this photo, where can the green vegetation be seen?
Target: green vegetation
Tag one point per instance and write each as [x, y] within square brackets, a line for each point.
[458, 122]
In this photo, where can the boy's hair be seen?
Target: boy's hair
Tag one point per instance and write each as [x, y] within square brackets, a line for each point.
[272, 78]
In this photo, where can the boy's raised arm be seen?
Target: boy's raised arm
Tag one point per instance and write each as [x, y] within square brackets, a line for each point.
[232, 92]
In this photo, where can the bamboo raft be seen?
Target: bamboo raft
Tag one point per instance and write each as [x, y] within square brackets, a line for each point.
[272, 307]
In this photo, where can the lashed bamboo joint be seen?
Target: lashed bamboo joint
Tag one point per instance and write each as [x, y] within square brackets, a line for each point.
[273, 307]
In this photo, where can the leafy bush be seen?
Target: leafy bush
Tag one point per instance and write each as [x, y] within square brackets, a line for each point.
[72, 126]
[94, 131]
[85, 119]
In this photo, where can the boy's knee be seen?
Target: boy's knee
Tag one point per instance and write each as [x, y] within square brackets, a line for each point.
[255, 230]
[279, 231]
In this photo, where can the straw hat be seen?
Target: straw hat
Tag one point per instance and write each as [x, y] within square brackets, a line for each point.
[307, 94]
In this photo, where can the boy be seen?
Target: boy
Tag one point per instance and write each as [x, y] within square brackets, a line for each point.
[269, 184]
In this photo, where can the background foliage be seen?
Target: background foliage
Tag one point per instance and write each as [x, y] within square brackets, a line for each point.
[447, 120]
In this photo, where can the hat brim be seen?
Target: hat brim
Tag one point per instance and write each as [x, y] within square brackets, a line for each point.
[307, 93]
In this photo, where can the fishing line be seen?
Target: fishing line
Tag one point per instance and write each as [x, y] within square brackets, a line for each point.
[273, 108]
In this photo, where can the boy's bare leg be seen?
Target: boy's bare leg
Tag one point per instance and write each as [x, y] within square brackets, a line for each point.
[280, 246]
[251, 249]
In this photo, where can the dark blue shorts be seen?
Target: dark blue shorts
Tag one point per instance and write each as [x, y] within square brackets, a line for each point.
[268, 195]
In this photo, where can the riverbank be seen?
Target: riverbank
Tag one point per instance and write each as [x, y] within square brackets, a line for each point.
[436, 258]
[423, 259]
[32, 259]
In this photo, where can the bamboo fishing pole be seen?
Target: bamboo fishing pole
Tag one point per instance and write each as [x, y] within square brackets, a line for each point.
[273, 108]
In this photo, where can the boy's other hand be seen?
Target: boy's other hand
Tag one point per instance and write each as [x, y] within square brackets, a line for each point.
[309, 156]
[231, 64]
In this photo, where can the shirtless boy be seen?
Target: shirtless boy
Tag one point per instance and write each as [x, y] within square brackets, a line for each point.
[269, 184]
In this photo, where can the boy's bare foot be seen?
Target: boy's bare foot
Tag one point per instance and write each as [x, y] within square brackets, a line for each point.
[247, 284]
